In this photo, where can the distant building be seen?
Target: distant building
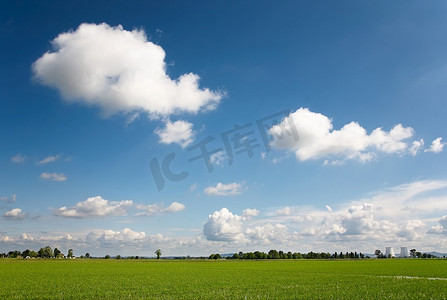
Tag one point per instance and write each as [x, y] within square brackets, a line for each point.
[389, 252]
[404, 252]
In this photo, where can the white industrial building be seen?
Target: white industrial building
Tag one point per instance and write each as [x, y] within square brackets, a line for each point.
[389, 252]
[404, 252]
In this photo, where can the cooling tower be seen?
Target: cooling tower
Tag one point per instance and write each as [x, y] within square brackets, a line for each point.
[404, 252]
[389, 251]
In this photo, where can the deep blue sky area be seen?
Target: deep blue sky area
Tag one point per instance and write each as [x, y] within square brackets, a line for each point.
[80, 123]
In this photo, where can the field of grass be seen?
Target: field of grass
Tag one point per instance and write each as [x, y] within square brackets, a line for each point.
[273, 279]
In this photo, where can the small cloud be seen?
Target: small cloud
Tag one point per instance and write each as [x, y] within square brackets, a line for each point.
[154, 209]
[7, 199]
[250, 212]
[328, 208]
[178, 132]
[218, 158]
[18, 158]
[436, 146]
[193, 187]
[53, 176]
[285, 211]
[417, 145]
[175, 207]
[224, 189]
[49, 159]
[15, 214]
[130, 119]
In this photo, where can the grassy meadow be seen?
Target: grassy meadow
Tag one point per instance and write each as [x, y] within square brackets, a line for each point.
[231, 279]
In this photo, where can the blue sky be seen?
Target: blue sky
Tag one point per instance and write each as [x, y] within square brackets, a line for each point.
[352, 94]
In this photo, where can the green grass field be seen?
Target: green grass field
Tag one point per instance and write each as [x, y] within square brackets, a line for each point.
[273, 279]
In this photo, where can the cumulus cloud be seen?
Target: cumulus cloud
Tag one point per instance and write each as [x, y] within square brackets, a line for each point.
[224, 189]
[398, 215]
[53, 176]
[224, 226]
[436, 146]
[154, 209]
[119, 71]
[440, 228]
[268, 233]
[18, 158]
[15, 214]
[111, 237]
[358, 220]
[318, 139]
[178, 132]
[409, 230]
[94, 207]
[49, 159]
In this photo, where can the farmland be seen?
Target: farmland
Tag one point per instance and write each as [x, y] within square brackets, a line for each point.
[235, 279]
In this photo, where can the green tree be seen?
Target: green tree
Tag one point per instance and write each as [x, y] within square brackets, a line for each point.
[70, 253]
[118, 256]
[158, 253]
[87, 255]
[46, 252]
[57, 252]
[107, 256]
[26, 253]
[273, 254]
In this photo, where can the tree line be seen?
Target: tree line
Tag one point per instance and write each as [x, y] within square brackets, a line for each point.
[44, 252]
[274, 254]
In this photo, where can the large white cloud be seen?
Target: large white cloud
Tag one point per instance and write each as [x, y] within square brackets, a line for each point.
[179, 132]
[119, 70]
[223, 225]
[318, 139]
[94, 207]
